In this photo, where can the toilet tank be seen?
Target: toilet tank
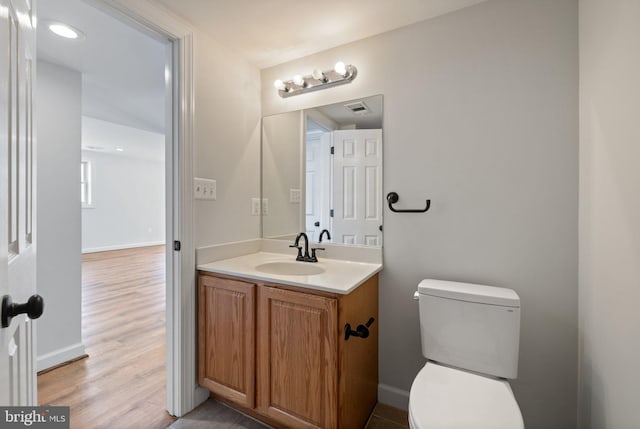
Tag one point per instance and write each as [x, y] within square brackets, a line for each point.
[470, 326]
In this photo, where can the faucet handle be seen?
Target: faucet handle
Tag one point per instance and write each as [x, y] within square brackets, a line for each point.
[314, 258]
[299, 257]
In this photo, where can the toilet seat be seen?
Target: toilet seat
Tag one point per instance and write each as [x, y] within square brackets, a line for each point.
[447, 398]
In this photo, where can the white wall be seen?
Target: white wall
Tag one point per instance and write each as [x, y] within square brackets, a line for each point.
[480, 116]
[609, 214]
[59, 336]
[128, 187]
[227, 142]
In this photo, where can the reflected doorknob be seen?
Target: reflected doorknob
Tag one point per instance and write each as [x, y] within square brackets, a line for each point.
[33, 307]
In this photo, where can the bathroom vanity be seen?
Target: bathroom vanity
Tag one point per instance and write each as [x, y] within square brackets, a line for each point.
[276, 347]
[295, 344]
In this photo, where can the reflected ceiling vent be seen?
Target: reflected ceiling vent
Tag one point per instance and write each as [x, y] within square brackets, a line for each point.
[358, 108]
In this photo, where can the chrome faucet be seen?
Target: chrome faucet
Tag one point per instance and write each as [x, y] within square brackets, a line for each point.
[305, 257]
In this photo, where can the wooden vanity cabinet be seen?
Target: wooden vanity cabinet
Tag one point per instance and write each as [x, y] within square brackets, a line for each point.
[226, 338]
[297, 358]
[305, 374]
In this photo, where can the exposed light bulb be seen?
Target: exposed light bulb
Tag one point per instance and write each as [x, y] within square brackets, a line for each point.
[279, 85]
[340, 68]
[63, 31]
[317, 74]
[298, 80]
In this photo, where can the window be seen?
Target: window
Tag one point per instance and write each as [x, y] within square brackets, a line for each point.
[86, 185]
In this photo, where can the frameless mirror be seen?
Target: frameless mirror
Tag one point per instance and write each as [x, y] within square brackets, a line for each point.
[322, 169]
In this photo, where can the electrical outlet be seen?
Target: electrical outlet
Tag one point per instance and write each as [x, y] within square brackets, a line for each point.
[213, 190]
[265, 206]
[255, 206]
[204, 189]
[294, 196]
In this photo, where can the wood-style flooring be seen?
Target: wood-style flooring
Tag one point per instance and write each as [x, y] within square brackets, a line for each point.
[122, 382]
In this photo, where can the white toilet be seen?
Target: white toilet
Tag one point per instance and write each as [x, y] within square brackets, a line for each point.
[470, 334]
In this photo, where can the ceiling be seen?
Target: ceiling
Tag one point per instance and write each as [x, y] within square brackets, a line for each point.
[105, 137]
[343, 116]
[123, 78]
[271, 32]
[123, 68]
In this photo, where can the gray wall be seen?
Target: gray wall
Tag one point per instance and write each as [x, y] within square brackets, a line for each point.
[58, 231]
[227, 142]
[480, 115]
[609, 214]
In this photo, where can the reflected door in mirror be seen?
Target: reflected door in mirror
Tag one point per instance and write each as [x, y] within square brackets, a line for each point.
[357, 174]
[318, 184]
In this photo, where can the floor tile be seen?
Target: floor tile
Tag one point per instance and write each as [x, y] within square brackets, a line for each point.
[396, 415]
[215, 415]
[380, 423]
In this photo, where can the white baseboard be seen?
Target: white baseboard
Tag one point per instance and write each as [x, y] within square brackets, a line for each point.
[393, 396]
[57, 357]
[121, 247]
[201, 394]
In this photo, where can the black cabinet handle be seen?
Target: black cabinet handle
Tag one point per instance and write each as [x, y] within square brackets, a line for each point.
[33, 307]
[361, 331]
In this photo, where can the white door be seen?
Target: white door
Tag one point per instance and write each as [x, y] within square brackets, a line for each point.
[357, 187]
[17, 205]
[318, 184]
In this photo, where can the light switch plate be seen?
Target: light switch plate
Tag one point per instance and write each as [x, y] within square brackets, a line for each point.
[204, 189]
[294, 196]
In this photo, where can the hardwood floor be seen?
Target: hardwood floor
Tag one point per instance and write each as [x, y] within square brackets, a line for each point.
[122, 382]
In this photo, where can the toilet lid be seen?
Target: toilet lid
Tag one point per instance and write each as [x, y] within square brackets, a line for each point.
[443, 397]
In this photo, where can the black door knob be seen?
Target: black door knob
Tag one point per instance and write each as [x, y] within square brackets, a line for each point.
[33, 307]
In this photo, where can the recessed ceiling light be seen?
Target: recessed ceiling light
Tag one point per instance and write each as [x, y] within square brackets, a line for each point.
[65, 30]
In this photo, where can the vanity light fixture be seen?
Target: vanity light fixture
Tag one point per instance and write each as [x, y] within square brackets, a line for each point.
[300, 84]
[318, 75]
[340, 68]
[298, 80]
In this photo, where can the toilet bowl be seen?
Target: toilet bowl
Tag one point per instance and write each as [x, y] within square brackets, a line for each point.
[470, 335]
[443, 397]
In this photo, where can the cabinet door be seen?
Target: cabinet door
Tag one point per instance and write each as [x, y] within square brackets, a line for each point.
[297, 358]
[226, 335]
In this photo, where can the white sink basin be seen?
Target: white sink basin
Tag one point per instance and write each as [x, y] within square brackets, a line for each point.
[290, 268]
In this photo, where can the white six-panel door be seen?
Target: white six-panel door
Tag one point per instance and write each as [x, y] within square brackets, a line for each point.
[318, 184]
[17, 202]
[357, 187]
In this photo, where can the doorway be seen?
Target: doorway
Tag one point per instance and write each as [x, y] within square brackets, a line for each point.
[130, 269]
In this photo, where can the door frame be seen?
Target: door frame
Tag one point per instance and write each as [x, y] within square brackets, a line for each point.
[183, 392]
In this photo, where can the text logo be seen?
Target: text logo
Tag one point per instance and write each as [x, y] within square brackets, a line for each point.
[34, 417]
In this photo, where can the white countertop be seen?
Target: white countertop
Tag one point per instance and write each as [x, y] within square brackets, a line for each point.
[340, 277]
